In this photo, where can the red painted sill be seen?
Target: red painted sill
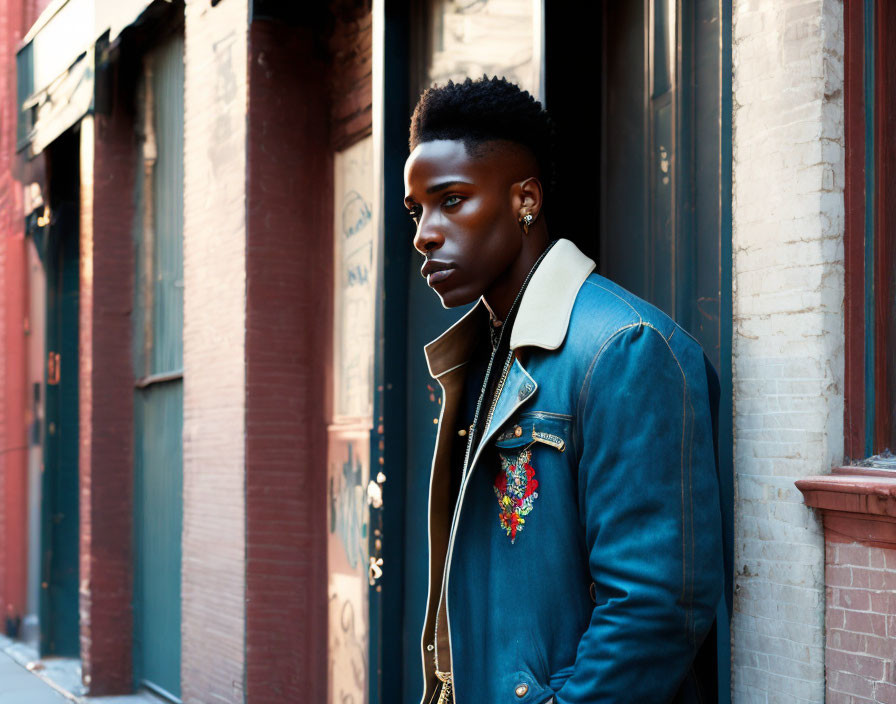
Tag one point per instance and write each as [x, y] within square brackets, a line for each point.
[855, 507]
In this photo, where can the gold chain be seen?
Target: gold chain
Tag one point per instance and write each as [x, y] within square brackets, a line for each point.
[498, 390]
[445, 695]
[445, 677]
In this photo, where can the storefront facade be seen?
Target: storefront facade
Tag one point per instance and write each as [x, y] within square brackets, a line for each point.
[215, 477]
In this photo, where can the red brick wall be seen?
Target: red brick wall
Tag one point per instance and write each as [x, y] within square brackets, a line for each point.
[860, 622]
[13, 302]
[16, 17]
[350, 76]
[288, 286]
[106, 397]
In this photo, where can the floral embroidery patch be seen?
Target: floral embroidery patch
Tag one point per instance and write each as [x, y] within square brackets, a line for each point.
[515, 487]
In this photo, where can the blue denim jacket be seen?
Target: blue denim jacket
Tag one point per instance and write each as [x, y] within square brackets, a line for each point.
[584, 555]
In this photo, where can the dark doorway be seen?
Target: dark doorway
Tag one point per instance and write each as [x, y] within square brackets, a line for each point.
[59, 625]
[640, 92]
[630, 86]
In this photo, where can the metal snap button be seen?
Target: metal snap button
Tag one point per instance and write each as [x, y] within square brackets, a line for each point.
[521, 689]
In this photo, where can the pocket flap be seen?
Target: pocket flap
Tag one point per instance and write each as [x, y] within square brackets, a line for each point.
[549, 429]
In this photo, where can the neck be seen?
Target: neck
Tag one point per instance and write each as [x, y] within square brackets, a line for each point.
[500, 296]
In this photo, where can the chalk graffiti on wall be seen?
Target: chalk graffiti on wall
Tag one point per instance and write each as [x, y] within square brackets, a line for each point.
[347, 551]
[355, 239]
[347, 641]
[356, 213]
[348, 509]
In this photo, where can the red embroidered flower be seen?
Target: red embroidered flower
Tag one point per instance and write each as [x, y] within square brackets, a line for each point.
[531, 481]
[515, 487]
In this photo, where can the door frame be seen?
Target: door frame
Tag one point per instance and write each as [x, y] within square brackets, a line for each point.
[393, 23]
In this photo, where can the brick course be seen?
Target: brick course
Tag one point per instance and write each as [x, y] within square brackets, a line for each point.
[860, 657]
[106, 389]
[288, 289]
[350, 74]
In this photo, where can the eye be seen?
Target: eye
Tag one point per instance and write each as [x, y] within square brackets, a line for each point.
[451, 201]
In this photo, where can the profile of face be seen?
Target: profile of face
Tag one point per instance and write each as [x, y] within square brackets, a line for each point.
[467, 213]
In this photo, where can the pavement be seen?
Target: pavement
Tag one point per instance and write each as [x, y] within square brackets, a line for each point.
[19, 685]
[26, 678]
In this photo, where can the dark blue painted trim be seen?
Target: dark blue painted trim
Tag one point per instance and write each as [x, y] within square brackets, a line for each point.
[387, 442]
[726, 312]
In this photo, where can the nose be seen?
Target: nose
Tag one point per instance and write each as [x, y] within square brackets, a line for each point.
[428, 238]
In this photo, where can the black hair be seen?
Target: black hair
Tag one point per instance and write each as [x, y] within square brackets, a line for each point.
[486, 109]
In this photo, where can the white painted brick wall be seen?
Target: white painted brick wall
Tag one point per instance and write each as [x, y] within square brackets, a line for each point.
[214, 520]
[788, 333]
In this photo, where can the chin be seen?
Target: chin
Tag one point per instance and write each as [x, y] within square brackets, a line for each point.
[453, 299]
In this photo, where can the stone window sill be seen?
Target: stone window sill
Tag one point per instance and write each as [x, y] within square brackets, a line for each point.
[856, 504]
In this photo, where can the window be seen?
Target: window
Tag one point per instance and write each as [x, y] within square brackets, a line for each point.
[870, 237]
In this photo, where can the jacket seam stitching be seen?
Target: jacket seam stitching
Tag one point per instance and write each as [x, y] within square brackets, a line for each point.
[617, 296]
[686, 585]
[594, 359]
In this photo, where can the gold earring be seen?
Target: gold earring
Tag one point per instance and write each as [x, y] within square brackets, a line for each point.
[526, 220]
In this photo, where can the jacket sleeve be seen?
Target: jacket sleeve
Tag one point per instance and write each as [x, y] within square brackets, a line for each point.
[648, 496]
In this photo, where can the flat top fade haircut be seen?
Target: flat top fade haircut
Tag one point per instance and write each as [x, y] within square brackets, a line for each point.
[483, 110]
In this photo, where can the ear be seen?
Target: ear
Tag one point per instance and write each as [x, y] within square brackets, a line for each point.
[527, 196]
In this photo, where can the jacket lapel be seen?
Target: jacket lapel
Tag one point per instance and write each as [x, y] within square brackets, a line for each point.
[518, 388]
[542, 321]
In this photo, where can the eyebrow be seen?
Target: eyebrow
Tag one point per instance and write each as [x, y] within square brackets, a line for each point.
[446, 184]
[441, 187]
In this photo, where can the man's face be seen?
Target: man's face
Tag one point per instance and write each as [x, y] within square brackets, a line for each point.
[467, 217]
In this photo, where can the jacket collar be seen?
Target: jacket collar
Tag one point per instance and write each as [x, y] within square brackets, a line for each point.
[542, 319]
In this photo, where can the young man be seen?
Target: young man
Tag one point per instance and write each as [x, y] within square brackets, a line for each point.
[575, 531]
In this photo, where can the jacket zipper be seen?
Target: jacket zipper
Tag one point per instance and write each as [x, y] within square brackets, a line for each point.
[447, 683]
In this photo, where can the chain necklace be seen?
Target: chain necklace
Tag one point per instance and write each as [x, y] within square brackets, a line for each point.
[446, 676]
[494, 327]
[508, 322]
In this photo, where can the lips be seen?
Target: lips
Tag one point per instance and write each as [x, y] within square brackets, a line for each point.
[435, 271]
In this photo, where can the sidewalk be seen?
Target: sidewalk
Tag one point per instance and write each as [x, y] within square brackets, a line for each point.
[18, 685]
[27, 679]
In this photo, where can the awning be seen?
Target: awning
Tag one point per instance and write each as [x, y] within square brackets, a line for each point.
[55, 65]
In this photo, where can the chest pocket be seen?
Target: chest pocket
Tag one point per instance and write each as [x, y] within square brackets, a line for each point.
[544, 427]
[523, 447]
